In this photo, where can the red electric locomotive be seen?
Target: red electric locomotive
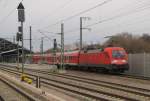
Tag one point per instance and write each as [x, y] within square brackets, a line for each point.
[109, 59]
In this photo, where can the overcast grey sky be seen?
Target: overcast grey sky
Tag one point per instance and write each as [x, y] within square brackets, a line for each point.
[117, 16]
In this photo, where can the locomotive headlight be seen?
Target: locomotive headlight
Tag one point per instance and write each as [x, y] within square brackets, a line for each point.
[124, 61]
[114, 61]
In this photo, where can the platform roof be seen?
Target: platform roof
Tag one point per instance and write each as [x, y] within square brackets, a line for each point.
[7, 47]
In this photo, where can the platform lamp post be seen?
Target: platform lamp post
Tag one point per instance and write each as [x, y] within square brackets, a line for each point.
[21, 18]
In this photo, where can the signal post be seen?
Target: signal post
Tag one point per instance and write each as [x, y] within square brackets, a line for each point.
[21, 18]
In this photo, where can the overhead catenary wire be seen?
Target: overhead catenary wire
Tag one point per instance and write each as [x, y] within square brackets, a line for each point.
[119, 16]
[56, 10]
[127, 26]
[74, 30]
[133, 23]
[82, 12]
[112, 18]
[136, 4]
[9, 14]
[115, 17]
[45, 36]
[98, 22]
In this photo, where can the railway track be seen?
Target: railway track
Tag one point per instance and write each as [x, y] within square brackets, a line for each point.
[140, 93]
[120, 74]
[19, 94]
[94, 94]
[125, 88]
[135, 77]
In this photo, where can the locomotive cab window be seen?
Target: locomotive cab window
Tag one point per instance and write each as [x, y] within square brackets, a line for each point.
[118, 54]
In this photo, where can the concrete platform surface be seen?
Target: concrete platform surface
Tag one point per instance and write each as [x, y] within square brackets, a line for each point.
[39, 94]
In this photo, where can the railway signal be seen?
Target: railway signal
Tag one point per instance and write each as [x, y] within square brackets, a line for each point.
[55, 46]
[21, 18]
[19, 37]
[21, 14]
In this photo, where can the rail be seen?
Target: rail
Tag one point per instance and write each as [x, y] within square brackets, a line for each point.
[96, 82]
[18, 90]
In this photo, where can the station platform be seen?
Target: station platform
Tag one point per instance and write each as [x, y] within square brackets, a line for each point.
[36, 93]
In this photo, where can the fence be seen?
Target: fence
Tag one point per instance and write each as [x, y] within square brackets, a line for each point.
[139, 64]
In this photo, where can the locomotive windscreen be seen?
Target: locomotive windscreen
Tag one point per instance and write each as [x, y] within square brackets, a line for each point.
[118, 53]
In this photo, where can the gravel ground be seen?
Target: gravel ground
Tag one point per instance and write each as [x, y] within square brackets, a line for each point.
[35, 66]
[68, 96]
[96, 76]
[100, 88]
[102, 77]
[65, 97]
[113, 78]
[8, 94]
